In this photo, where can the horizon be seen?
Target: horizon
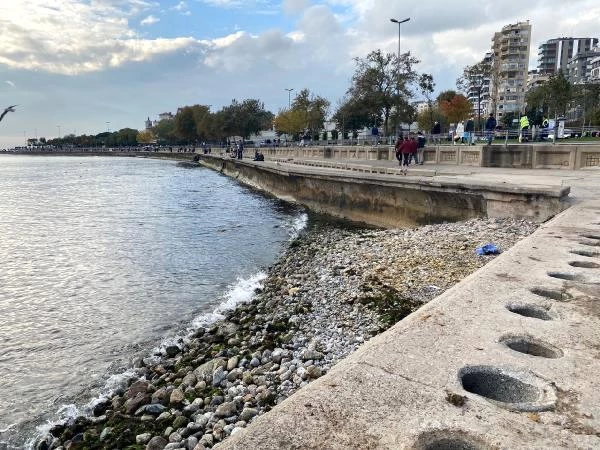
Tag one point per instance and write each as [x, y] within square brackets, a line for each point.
[85, 67]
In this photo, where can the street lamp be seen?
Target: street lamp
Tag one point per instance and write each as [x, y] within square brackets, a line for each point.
[399, 22]
[289, 90]
[108, 126]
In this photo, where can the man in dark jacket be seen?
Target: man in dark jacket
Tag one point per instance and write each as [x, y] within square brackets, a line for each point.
[490, 128]
[469, 132]
[435, 132]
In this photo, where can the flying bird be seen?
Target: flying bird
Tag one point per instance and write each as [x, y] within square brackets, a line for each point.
[7, 110]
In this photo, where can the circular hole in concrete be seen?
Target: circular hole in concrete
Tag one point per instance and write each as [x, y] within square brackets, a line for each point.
[592, 236]
[584, 264]
[553, 294]
[529, 310]
[563, 275]
[515, 390]
[588, 253]
[531, 346]
[449, 440]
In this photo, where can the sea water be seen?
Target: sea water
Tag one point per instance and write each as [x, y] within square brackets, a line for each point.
[105, 258]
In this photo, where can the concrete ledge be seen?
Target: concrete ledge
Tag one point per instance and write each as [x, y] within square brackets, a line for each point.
[378, 196]
[479, 367]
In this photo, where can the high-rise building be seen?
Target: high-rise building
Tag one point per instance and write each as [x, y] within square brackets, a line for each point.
[510, 48]
[579, 69]
[479, 91]
[555, 54]
[595, 69]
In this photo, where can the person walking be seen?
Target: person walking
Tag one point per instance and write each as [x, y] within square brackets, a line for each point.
[490, 128]
[414, 150]
[435, 132]
[469, 130]
[240, 150]
[459, 133]
[524, 122]
[398, 147]
[405, 150]
[421, 141]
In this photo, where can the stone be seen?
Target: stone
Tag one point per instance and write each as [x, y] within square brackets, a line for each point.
[180, 422]
[133, 404]
[232, 363]
[135, 388]
[154, 409]
[189, 380]
[143, 438]
[255, 362]
[177, 397]
[226, 409]
[175, 437]
[106, 433]
[248, 413]
[311, 354]
[218, 376]
[156, 443]
[206, 370]
[313, 372]
[172, 350]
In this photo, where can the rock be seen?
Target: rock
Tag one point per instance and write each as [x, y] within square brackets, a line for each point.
[175, 437]
[248, 413]
[311, 354]
[156, 443]
[161, 396]
[143, 438]
[232, 363]
[206, 370]
[218, 376]
[234, 374]
[226, 409]
[180, 422]
[106, 433]
[189, 380]
[154, 409]
[177, 397]
[135, 388]
[172, 350]
[133, 404]
[313, 372]
[191, 443]
[255, 362]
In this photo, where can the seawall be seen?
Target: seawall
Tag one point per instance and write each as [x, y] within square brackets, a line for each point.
[392, 201]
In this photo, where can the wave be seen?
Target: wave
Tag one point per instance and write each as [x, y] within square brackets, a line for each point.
[298, 224]
[242, 291]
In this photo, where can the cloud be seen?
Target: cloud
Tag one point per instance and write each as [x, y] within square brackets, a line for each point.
[181, 6]
[10, 83]
[150, 20]
[295, 6]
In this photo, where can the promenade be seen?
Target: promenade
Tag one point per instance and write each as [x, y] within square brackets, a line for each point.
[509, 358]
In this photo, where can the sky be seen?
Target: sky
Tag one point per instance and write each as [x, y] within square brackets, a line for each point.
[87, 66]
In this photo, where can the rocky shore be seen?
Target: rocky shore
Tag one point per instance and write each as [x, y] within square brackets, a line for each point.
[333, 289]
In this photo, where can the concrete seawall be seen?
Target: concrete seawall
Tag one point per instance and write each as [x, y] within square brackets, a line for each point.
[387, 201]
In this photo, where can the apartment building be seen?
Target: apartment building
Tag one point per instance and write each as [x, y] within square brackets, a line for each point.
[510, 48]
[555, 54]
[595, 69]
[479, 91]
[579, 68]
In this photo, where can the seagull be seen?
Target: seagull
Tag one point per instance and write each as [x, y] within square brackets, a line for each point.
[7, 110]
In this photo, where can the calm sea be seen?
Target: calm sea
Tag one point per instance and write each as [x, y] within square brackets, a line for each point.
[105, 258]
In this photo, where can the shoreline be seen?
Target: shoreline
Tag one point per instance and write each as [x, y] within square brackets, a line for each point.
[330, 291]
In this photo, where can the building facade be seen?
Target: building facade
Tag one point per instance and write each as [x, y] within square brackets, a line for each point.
[510, 49]
[554, 55]
[579, 69]
[479, 91]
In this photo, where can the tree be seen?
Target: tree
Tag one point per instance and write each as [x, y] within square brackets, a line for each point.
[426, 87]
[382, 82]
[476, 77]
[245, 118]
[351, 115]
[559, 92]
[145, 137]
[165, 131]
[457, 108]
[291, 122]
[427, 119]
[185, 125]
[314, 109]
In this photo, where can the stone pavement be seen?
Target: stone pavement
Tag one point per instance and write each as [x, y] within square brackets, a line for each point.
[507, 359]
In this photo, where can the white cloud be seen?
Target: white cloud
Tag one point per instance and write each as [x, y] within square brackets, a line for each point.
[10, 83]
[149, 20]
[181, 6]
[295, 6]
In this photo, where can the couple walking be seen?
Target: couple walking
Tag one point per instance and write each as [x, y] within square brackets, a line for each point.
[408, 149]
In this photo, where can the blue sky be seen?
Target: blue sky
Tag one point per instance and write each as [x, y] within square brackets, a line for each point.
[74, 65]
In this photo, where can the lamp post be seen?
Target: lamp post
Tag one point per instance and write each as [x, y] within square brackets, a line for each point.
[108, 126]
[399, 22]
[289, 91]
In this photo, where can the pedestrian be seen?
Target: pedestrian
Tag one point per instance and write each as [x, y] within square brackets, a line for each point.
[469, 131]
[524, 122]
[398, 151]
[414, 150]
[405, 149]
[421, 141]
[459, 133]
[435, 132]
[490, 128]
[240, 150]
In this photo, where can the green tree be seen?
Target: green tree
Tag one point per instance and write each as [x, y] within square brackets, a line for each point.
[351, 115]
[165, 132]
[426, 88]
[185, 125]
[313, 108]
[382, 82]
[560, 94]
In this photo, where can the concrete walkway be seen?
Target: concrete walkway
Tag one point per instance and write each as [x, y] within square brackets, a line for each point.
[507, 359]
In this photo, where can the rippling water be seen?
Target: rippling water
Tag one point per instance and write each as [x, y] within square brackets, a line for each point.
[104, 257]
